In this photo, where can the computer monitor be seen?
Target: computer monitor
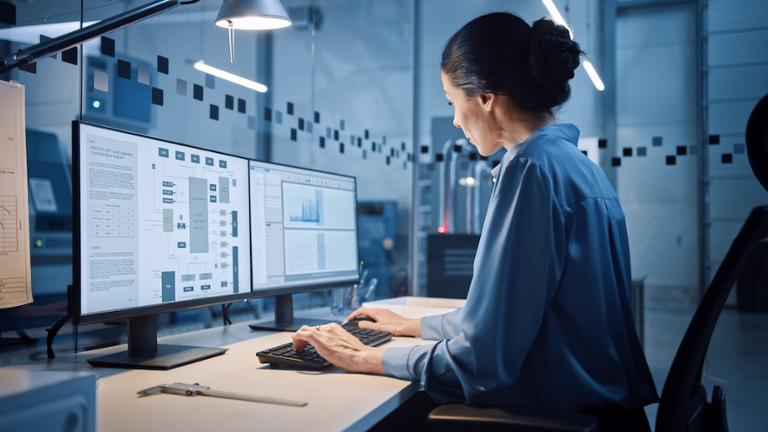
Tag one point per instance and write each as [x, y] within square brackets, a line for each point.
[304, 235]
[159, 226]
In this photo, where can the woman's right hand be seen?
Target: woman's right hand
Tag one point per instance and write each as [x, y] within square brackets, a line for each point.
[388, 321]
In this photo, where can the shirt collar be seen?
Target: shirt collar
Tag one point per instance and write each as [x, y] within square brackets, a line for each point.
[566, 131]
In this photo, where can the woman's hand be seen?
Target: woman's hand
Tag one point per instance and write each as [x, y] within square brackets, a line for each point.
[340, 348]
[388, 321]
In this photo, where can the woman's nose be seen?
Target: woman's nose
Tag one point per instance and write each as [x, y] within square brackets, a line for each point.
[456, 122]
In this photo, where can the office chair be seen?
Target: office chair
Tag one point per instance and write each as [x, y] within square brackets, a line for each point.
[683, 405]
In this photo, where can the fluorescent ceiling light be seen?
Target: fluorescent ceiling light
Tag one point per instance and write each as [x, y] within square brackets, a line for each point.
[557, 17]
[30, 34]
[467, 181]
[253, 15]
[596, 81]
[237, 79]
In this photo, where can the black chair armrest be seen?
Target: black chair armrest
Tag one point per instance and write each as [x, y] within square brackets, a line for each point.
[457, 417]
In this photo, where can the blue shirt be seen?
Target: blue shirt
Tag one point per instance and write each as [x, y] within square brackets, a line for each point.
[547, 321]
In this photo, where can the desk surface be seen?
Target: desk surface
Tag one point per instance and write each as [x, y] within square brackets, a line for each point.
[337, 400]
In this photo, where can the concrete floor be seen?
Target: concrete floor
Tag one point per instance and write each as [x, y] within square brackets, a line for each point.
[737, 360]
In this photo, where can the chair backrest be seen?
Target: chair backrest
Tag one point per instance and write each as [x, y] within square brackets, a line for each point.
[681, 402]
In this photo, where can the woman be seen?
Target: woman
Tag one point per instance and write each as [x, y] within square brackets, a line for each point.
[547, 321]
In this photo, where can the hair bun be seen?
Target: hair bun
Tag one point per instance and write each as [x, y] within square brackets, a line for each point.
[553, 55]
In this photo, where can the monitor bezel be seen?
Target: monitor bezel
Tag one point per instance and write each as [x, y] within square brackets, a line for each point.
[298, 289]
[75, 302]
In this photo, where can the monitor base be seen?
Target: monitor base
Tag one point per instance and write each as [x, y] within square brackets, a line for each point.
[292, 325]
[166, 357]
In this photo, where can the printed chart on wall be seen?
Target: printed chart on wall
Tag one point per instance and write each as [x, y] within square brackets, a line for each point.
[15, 280]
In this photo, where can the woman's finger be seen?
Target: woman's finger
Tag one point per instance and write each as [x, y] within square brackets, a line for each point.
[304, 336]
[369, 312]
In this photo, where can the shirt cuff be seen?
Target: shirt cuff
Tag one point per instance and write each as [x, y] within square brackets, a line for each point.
[396, 362]
[432, 327]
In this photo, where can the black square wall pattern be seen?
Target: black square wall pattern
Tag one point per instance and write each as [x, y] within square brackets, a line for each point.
[289, 108]
[7, 13]
[602, 143]
[29, 67]
[681, 150]
[69, 56]
[229, 102]
[341, 147]
[657, 141]
[671, 160]
[439, 157]
[367, 134]
[359, 142]
[162, 64]
[107, 46]
[197, 92]
[335, 134]
[268, 114]
[402, 146]
[214, 112]
[424, 149]
[616, 161]
[293, 134]
[322, 142]
[626, 151]
[241, 105]
[726, 158]
[124, 69]
[301, 124]
[642, 151]
[317, 117]
[714, 139]
[388, 160]
[157, 96]
[44, 38]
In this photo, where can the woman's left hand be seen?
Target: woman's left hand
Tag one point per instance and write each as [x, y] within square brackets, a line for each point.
[340, 348]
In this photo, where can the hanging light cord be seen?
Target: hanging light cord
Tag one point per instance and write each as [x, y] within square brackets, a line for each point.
[231, 33]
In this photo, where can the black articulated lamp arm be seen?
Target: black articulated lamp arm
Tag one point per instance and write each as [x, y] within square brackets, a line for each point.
[63, 42]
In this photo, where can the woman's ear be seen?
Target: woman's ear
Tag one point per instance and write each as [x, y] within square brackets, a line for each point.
[487, 101]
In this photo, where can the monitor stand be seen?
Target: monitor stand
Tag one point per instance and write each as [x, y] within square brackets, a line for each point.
[284, 319]
[144, 353]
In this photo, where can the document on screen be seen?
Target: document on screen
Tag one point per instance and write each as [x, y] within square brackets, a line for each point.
[15, 276]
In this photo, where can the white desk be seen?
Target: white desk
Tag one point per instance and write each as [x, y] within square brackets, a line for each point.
[337, 400]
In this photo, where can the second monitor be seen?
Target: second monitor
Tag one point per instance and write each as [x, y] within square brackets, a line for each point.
[303, 235]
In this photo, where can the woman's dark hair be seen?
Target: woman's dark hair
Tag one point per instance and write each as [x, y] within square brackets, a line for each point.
[500, 53]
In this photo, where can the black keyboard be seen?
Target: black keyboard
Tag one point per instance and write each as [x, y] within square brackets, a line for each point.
[284, 355]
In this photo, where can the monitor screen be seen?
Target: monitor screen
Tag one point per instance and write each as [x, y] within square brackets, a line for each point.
[159, 222]
[303, 227]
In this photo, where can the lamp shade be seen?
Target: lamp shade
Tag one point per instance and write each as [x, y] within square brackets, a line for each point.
[253, 15]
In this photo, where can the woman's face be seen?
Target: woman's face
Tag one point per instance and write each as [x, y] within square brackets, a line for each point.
[474, 116]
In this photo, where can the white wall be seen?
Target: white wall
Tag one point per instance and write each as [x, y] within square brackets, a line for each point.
[737, 60]
[656, 97]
